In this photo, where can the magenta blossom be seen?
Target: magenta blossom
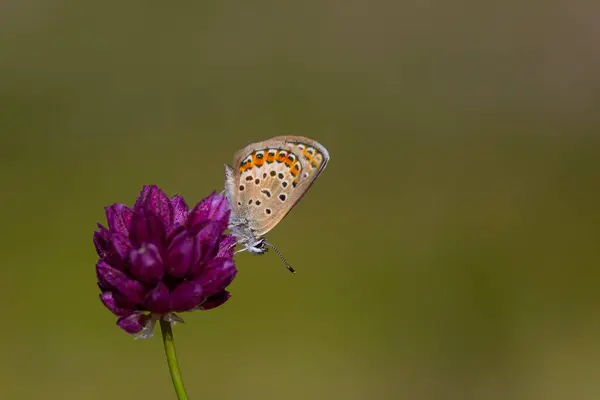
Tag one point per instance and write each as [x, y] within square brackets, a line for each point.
[159, 258]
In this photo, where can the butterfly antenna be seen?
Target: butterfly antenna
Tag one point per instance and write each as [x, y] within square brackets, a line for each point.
[282, 258]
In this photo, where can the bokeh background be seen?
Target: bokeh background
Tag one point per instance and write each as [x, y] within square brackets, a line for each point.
[449, 251]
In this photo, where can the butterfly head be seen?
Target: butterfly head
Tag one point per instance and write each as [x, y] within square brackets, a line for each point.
[246, 236]
[251, 242]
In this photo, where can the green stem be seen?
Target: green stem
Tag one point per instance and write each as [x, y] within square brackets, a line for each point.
[169, 343]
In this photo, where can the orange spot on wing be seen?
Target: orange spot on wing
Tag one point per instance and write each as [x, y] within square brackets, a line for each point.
[295, 170]
[308, 156]
[246, 166]
[257, 161]
[270, 159]
[281, 156]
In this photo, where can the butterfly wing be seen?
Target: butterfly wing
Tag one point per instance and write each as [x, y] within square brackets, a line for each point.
[269, 178]
[233, 179]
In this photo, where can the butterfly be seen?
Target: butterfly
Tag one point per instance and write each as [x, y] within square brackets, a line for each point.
[266, 181]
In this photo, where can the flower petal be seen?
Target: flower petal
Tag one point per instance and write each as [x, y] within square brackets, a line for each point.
[217, 275]
[180, 209]
[212, 208]
[110, 277]
[215, 301]
[183, 252]
[119, 218]
[103, 286]
[227, 246]
[133, 323]
[147, 264]
[121, 247]
[110, 301]
[159, 299]
[208, 239]
[141, 199]
[159, 204]
[102, 241]
[112, 246]
[147, 228]
[187, 295]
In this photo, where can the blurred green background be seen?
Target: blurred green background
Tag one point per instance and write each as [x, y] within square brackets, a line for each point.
[449, 251]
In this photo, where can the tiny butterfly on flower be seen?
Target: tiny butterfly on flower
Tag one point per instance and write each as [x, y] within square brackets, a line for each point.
[266, 181]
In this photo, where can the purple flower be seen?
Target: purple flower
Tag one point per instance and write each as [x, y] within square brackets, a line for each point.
[159, 258]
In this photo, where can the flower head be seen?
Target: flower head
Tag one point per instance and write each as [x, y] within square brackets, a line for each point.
[159, 258]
